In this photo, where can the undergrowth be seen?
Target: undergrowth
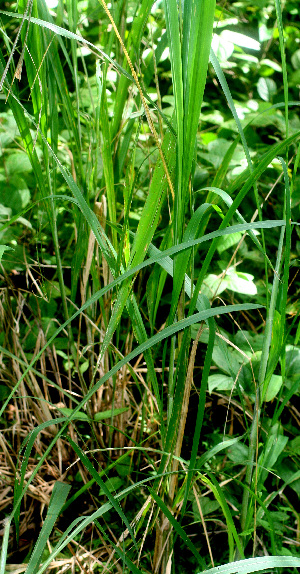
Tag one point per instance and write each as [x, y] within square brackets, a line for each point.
[149, 358]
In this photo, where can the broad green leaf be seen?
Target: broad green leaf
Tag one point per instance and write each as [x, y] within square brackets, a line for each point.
[220, 383]
[238, 453]
[227, 358]
[240, 282]
[273, 388]
[266, 88]
[292, 363]
[274, 445]
[233, 280]
[296, 60]
[294, 445]
[123, 468]
[228, 242]
[14, 192]
[228, 443]
[4, 392]
[18, 163]
[289, 473]
[222, 48]
[240, 40]
[4, 248]
[207, 507]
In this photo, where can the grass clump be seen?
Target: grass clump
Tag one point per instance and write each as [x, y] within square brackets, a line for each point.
[150, 340]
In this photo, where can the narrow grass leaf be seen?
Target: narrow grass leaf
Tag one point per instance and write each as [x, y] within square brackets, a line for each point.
[5, 541]
[201, 407]
[57, 500]
[115, 504]
[198, 19]
[227, 199]
[134, 270]
[106, 151]
[283, 63]
[182, 260]
[172, 16]
[124, 555]
[225, 88]
[222, 171]
[255, 565]
[167, 332]
[232, 533]
[71, 36]
[287, 250]
[178, 529]
[102, 415]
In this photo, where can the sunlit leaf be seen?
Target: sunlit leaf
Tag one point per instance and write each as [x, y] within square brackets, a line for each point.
[266, 88]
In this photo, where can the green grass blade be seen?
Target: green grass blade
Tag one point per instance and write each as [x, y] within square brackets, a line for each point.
[19, 481]
[201, 409]
[160, 336]
[287, 250]
[232, 533]
[223, 82]
[145, 231]
[227, 199]
[115, 504]
[141, 336]
[154, 201]
[130, 272]
[57, 500]
[124, 555]
[174, 40]
[5, 541]
[198, 19]
[37, 373]
[283, 63]
[178, 529]
[71, 36]
[77, 526]
[133, 44]
[181, 262]
[225, 88]
[106, 152]
[255, 565]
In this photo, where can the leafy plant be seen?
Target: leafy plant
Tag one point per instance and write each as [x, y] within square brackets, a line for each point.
[126, 221]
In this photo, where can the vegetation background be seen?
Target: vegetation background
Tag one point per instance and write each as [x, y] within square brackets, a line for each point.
[149, 287]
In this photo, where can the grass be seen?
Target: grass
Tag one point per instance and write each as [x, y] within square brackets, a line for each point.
[100, 365]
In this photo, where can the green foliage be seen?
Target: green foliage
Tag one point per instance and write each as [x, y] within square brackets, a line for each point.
[149, 249]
